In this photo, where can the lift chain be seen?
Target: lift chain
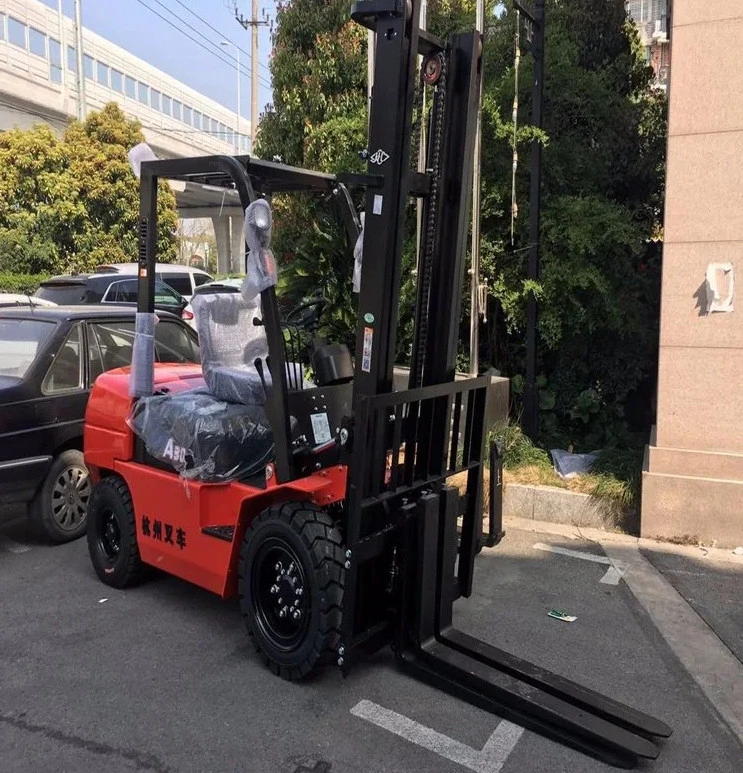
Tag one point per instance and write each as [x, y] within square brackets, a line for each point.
[428, 247]
[415, 132]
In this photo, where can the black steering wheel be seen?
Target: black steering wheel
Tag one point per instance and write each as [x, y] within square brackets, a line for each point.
[307, 314]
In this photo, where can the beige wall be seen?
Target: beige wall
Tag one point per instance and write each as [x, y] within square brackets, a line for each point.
[693, 480]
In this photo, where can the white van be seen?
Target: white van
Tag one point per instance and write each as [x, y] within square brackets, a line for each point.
[183, 279]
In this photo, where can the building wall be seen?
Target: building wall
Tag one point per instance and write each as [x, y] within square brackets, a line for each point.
[693, 478]
[38, 82]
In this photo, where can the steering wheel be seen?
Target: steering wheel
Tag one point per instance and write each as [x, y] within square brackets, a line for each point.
[307, 313]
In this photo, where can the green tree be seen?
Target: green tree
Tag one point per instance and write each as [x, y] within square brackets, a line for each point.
[69, 203]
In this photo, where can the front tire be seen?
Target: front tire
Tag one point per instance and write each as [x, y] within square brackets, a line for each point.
[59, 509]
[291, 583]
[112, 534]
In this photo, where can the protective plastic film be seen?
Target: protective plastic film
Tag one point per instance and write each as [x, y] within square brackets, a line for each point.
[203, 438]
[142, 374]
[260, 270]
[230, 344]
[358, 256]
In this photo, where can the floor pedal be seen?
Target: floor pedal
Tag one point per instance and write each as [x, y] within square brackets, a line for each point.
[220, 532]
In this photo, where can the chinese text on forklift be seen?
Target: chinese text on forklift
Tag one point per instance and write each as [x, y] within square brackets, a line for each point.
[325, 504]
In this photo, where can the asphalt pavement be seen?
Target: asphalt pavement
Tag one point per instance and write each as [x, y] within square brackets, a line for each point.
[163, 678]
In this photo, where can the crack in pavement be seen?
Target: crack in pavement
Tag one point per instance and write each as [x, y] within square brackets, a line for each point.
[142, 761]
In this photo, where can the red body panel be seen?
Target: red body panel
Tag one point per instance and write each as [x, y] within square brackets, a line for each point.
[171, 512]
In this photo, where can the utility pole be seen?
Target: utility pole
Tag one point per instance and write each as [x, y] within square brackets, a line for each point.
[226, 43]
[253, 22]
[475, 264]
[536, 18]
[81, 107]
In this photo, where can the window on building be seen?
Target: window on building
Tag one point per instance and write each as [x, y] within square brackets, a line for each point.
[102, 73]
[177, 110]
[216, 129]
[155, 99]
[167, 105]
[230, 136]
[117, 81]
[187, 115]
[2, 26]
[71, 59]
[197, 119]
[130, 87]
[55, 61]
[16, 32]
[664, 58]
[88, 66]
[143, 93]
[37, 42]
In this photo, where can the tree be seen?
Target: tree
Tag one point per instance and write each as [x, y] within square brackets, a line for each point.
[604, 130]
[68, 204]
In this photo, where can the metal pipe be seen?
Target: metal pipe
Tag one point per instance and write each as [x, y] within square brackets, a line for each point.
[81, 107]
[475, 261]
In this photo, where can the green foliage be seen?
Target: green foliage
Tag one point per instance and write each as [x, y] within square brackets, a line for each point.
[25, 284]
[603, 167]
[70, 203]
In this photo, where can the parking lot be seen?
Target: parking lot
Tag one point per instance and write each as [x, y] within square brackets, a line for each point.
[163, 678]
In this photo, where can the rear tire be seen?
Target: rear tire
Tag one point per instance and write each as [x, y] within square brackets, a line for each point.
[291, 583]
[58, 511]
[112, 534]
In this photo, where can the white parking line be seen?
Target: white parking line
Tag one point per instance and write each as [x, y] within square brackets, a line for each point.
[613, 574]
[489, 759]
[13, 547]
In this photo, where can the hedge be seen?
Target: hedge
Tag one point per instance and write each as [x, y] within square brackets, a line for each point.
[20, 283]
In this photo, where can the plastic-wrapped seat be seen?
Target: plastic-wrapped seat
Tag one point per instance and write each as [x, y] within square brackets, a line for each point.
[230, 345]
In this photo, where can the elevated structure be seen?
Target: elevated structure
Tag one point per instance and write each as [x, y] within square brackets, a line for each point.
[38, 71]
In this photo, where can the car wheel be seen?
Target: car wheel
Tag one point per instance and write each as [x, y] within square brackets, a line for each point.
[60, 507]
[112, 534]
[291, 582]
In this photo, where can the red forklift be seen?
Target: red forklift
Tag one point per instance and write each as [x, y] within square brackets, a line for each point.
[327, 507]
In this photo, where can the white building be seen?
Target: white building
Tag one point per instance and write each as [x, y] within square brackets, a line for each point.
[38, 82]
[38, 72]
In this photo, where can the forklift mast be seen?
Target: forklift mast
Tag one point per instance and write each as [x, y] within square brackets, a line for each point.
[402, 511]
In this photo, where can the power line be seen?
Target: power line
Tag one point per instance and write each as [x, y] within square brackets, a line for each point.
[221, 34]
[215, 53]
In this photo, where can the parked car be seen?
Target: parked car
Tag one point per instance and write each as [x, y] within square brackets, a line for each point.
[106, 288]
[183, 279]
[49, 359]
[11, 300]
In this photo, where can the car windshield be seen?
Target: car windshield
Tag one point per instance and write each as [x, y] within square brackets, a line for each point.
[63, 294]
[20, 342]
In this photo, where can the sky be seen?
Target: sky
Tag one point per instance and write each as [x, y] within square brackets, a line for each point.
[168, 35]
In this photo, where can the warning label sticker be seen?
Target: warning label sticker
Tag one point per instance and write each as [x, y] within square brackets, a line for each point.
[321, 428]
[367, 351]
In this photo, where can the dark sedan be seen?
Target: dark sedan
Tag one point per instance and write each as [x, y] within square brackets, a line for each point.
[49, 359]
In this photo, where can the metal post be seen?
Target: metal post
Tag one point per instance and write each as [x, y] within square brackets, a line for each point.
[422, 149]
[254, 78]
[531, 393]
[475, 265]
[81, 107]
[237, 57]
[371, 46]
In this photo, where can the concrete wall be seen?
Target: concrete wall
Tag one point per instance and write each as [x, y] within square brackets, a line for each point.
[693, 479]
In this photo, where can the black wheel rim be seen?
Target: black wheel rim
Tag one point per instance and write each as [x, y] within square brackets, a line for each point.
[109, 534]
[280, 594]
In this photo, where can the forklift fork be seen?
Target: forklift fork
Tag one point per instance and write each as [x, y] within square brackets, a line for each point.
[433, 650]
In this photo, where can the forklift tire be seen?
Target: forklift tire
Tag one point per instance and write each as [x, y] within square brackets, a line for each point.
[291, 582]
[112, 534]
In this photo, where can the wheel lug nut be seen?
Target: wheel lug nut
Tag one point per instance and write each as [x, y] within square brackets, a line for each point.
[278, 566]
[296, 614]
[281, 601]
[299, 591]
[282, 612]
[274, 589]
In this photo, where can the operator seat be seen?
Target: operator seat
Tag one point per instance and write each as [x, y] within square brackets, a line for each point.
[231, 344]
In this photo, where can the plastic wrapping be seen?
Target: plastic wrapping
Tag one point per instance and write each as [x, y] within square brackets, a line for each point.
[230, 345]
[358, 257]
[569, 465]
[142, 374]
[260, 269]
[203, 438]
